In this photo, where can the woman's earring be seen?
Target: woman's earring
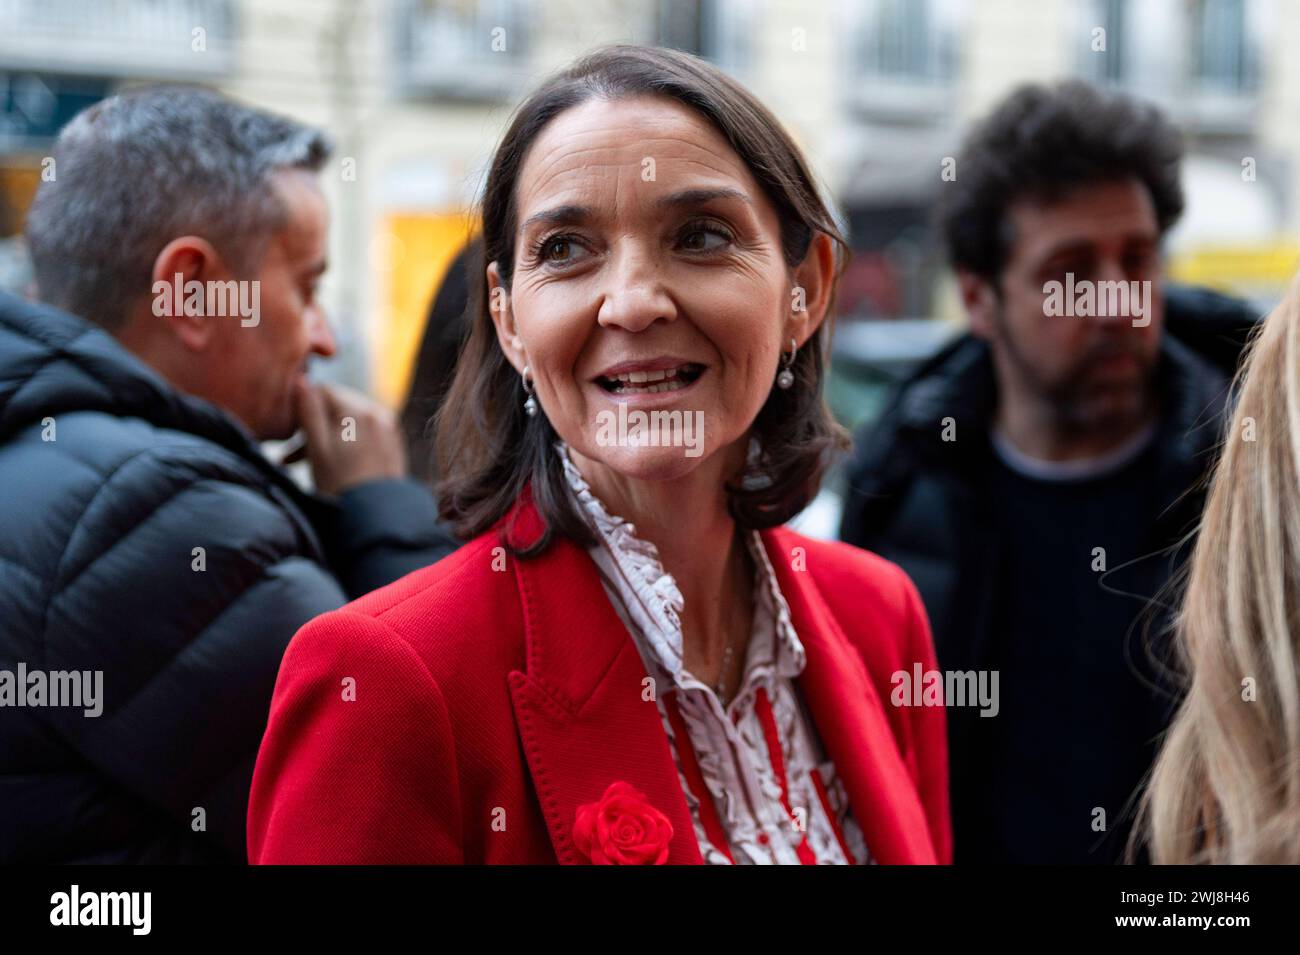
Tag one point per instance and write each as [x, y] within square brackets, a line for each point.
[530, 404]
[786, 378]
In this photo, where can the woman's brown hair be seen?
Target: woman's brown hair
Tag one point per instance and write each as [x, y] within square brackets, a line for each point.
[489, 449]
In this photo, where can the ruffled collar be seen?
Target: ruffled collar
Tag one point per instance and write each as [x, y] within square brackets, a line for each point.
[651, 596]
[655, 591]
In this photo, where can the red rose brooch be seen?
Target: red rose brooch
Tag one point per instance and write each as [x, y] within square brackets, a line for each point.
[622, 828]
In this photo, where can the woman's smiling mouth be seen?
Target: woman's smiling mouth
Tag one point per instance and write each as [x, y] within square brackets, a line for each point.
[649, 377]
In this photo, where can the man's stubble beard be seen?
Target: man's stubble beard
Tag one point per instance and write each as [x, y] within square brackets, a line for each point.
[1074, 404]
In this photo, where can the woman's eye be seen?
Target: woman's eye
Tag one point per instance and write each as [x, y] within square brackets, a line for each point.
[556, 250]
[704, 239]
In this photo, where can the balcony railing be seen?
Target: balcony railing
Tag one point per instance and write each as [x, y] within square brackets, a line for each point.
[155, 39]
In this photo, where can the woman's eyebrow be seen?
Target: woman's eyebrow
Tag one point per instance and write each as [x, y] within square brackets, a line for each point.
[574, 214]
[698, 197]
[560, 215]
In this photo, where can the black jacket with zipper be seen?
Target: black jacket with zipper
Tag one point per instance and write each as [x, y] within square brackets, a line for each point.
[917, 499]
[145, 536]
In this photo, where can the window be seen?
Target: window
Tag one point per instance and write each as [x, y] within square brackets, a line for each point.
[905, 40]
[1222, 56]
[1107, 65]
[714, 29]
[461, 48]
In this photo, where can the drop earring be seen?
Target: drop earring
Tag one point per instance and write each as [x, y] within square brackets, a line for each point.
[530, 403]
[786, 378]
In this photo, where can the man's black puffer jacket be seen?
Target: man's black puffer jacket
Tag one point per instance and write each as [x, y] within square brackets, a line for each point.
[918, 500]
[110, 481]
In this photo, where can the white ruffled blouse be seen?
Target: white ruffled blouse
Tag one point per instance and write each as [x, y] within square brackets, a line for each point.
[755, 775]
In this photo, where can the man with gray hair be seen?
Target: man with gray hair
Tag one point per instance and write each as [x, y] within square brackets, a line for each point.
[177, 250]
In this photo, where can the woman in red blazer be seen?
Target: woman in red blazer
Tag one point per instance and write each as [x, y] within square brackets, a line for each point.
[632, 661]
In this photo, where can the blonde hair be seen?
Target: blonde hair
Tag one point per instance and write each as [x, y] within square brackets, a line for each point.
[1226, 785]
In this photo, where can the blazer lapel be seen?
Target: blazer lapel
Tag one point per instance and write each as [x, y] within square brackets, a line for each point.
[582, 717]
[851, 722]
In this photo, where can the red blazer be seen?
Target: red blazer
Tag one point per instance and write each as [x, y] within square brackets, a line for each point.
[463, 713]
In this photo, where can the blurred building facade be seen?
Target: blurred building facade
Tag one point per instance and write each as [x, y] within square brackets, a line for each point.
[416, 92]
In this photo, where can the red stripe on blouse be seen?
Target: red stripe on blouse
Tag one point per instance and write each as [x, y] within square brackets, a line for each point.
[830, 815]
[695, 779]
[763, 706]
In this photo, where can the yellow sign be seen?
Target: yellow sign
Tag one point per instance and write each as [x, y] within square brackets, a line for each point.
[411, 255]
[1239, 268]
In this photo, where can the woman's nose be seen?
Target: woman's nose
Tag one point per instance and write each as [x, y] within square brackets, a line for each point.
[635, 297]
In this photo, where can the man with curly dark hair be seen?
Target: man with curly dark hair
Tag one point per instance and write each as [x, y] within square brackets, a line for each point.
[1033, 477]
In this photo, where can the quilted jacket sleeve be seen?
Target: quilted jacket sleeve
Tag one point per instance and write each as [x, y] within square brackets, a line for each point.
[385, 530]
[181, 584]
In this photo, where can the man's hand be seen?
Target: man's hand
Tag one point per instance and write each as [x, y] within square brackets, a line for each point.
[351, 439]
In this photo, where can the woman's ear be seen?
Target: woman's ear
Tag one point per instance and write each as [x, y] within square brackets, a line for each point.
[503, 318]
[810, 297]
